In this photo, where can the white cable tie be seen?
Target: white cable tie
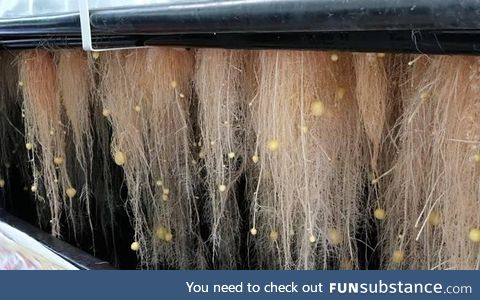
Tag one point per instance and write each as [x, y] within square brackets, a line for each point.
[86, 30]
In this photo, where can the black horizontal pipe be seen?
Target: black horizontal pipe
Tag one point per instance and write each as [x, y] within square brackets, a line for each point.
[52, 25]
[28, 42]
[254, 16]
[417, 26]
[428, 42]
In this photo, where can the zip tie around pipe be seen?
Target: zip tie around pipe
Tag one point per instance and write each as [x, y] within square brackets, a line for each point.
[84, 11]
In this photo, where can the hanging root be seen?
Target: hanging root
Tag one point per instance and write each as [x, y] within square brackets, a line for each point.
[430, 221]
[173, 169]
[109, 206]
[221, 117]
[409, 183]
[461, 148]
[146, 96]
[308, 161]
[119, 94]
[75, 81]
[374, 88]
[45, 135]
[300, 129]
[372, 96]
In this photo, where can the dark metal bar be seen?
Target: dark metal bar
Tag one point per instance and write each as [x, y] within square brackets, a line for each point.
[73, 255]
[63, 25]
[104, 42]
[429, 42]
[416, 26]
[253, 16]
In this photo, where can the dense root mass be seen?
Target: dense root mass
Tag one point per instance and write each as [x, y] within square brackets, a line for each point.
[371, 92]
[308, 157]
[248, 159]
[45, 135]
[75, 84]
[431, 217]
[146, 96]
[222, 105]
